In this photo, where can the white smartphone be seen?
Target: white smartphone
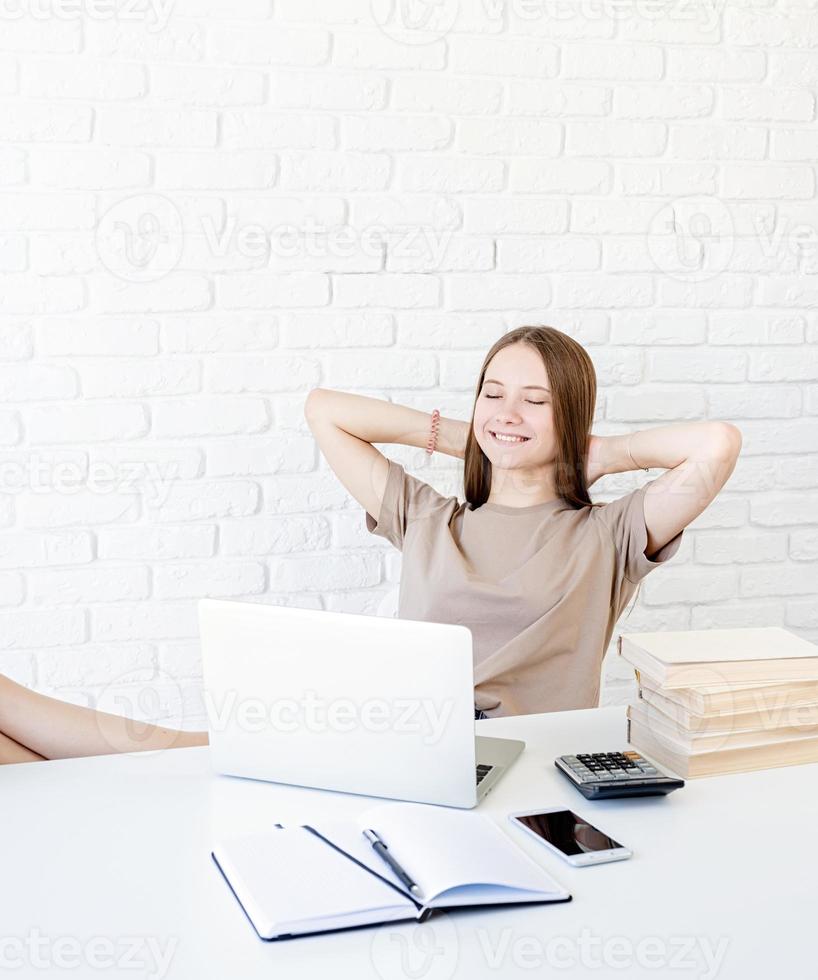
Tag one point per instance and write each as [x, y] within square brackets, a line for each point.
[574, 839]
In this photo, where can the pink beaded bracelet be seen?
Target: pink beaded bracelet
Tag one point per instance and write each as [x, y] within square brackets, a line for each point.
[432, 441]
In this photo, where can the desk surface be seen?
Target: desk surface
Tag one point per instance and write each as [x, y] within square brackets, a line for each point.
[106, 867]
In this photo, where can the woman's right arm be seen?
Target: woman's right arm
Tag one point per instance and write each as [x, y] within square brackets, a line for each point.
[345, 426]
[376, 420]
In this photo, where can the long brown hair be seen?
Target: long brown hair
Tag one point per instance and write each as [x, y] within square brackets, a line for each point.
[572, 379]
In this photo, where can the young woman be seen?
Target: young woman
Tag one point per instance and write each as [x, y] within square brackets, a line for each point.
[538, 573]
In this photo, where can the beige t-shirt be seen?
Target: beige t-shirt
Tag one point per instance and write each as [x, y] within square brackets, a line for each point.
[540, 587]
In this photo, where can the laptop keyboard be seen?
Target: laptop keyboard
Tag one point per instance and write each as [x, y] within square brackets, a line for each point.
[482, 772]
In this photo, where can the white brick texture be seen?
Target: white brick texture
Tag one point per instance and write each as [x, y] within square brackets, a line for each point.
[205, 216]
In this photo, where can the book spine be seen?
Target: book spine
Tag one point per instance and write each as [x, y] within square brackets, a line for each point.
[680, 765]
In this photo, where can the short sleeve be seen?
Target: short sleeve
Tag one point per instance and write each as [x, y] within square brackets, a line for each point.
[406, 500]
[625, 518]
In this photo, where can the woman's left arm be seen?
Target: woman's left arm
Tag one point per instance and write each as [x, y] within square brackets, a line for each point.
[698, 456]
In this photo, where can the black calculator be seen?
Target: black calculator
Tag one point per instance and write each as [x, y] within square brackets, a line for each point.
[606, 775]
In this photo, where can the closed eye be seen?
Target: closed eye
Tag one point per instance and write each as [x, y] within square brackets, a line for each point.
[527, 399]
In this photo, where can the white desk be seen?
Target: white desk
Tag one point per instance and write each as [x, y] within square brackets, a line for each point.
[116, 849]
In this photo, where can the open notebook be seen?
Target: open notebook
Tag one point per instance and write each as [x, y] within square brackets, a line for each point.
[325, 876]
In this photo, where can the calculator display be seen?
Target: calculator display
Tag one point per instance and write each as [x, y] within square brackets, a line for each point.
[568, 832]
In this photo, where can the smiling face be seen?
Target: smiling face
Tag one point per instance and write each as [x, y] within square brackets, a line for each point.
[515, 400]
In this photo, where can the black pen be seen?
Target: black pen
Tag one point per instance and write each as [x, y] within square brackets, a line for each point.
[383, 850]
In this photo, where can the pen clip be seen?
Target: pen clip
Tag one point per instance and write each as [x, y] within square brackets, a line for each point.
[380, 845]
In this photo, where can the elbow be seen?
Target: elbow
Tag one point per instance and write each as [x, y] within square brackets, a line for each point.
[311, 402]
[727, 439]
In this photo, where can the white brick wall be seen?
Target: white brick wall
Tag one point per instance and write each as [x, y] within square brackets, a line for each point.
[209, 208]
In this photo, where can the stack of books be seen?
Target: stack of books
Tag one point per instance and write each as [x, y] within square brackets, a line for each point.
[723, 700]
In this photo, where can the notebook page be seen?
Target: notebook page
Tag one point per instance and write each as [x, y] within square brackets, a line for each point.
[291, 881]
[349, 837]
[443, 848]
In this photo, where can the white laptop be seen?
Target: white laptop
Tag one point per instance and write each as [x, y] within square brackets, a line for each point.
[359, 704]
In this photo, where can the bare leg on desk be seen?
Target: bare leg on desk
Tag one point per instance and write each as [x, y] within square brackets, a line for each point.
[11, 752]
[41, 727]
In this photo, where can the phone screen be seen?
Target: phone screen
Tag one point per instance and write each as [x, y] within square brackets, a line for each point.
[568, 832]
